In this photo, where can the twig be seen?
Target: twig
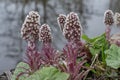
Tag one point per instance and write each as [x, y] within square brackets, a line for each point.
[8, 74]
[91, 66]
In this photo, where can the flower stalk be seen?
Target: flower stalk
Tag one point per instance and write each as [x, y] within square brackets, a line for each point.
[48, 53]
[108, 20]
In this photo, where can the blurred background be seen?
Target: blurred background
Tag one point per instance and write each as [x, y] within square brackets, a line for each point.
[13, 13]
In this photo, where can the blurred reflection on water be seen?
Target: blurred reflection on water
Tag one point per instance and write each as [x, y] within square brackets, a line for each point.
[13, 12]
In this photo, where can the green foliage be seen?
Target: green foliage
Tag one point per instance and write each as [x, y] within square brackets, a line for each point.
[97, 45]
[46, 73]
[19, 70]
[113, 56]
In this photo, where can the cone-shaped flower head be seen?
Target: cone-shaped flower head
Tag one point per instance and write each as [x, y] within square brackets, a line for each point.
[61, 21]
[108, 18]
[115, 39]
[45, 34]
[72, 29]
[30, 27]
[117, 18]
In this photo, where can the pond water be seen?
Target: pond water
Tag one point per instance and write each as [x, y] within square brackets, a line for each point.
[94, 22]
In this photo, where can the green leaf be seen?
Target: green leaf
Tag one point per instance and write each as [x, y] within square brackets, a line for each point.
[89, 40]
[18, 70]
[113, 56]
[45, 73]
[48, 73]
[86, 38]
[97, 45]
[94, 51]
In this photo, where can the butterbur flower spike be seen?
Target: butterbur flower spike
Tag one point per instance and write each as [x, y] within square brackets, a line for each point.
[48, 53]
[117, 19]
[72, 28]
[61, 21]
[45, 34]
[29, 32]
[74, 48]
[108, 18]
[30, 27]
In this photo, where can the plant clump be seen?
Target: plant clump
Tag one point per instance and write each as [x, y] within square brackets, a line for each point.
[82, 58]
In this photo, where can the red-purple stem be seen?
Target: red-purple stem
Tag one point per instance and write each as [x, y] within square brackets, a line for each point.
[107, 32]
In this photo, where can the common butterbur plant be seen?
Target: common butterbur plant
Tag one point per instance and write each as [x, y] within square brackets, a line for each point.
[29, 32]
[108, 20]
[72, 32]
[115, 38]
[48, 53]
[48, 56]
[76, 59]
